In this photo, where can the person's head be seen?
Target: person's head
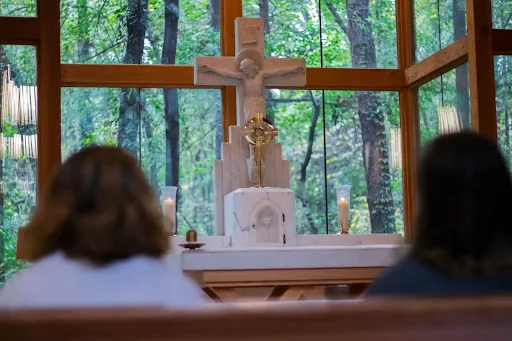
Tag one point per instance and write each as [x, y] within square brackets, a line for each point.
[99, 208]
[465, 198]
[249, 68]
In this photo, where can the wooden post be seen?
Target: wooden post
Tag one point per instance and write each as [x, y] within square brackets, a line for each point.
[408, 113]
[481, 68]
[230, 10]
[48, 84]
[47, 37]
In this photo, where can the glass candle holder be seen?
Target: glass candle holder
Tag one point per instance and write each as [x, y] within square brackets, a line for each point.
[343, 203]
[169, 208]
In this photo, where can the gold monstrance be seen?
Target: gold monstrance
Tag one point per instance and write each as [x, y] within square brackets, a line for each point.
[259, 133]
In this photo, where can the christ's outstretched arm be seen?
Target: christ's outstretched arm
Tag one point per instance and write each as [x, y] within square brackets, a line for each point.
[284, 72]
[223, 73]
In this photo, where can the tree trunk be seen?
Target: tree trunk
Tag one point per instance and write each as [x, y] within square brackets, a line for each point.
[371, 117]
[130, 104]
[264, 14]
[214, 9]
[461, 73]
[304, 166]
[172, 128]
[84, 47]
[149, 132]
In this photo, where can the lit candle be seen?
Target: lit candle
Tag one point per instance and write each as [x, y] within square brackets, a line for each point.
[170, 214]
[343, 219]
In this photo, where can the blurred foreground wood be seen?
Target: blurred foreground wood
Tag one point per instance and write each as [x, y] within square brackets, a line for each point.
[464, 319]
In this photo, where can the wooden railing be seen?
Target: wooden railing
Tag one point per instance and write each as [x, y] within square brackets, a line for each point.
[465, 320]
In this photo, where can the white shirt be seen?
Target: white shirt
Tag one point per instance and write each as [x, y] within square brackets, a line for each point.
[57, 281]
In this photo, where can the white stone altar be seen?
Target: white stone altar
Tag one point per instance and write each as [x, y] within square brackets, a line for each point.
[318, 257]
[292, 273]
[243, 212]
[257, 217]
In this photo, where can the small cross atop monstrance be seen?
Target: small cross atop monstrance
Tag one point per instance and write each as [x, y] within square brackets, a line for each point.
[252, 216]
[259, 133]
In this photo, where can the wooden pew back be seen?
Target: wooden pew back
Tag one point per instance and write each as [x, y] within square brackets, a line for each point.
[378, 320]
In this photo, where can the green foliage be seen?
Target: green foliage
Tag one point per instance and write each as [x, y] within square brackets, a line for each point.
[440, 92]
[18, 192]
[96, 33]
[503, 75]
[502, 13]
[295, 31]
[17, 8]
[434, 22]
[105, 27]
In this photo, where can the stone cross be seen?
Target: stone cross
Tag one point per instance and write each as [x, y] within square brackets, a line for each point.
[251, 73]
[249, 70]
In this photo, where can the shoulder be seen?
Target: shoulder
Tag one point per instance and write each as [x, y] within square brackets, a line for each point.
[401, 279]
[138, 281]
[171, 286]
[34, 281]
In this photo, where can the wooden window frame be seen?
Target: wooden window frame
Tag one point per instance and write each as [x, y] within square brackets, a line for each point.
[477, 49]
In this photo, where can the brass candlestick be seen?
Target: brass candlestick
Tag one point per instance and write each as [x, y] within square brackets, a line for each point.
[259, 133]
[191, 236]
[191, 239]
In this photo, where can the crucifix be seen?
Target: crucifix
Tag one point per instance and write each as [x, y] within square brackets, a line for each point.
[251, 73]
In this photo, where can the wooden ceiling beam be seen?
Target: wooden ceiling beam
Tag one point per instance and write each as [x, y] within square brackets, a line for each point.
[19, 31]
[437, 64]
[502, 42]
[182, 76]
[354, 79]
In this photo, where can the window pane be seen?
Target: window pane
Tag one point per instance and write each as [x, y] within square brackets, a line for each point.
[503, 74]
[298, 117]
[293, 30]
[139, 32]
[18, 8]
[444, 104]
[184, 158]
[359, 34]
[502, 14]
[363, 128]
[18, 169]
[438, 24]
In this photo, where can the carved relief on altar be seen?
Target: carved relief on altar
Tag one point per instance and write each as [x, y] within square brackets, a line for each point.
[260, 217]
[266, 225]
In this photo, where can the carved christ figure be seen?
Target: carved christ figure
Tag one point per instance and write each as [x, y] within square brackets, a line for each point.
[253, 79]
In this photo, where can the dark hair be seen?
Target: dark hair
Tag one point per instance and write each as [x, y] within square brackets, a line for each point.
[99, 207]
[465, 194]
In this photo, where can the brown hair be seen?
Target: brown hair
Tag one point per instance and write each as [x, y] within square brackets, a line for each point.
[99, 207]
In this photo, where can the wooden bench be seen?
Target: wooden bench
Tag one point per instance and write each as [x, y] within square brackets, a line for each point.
[380, 320]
